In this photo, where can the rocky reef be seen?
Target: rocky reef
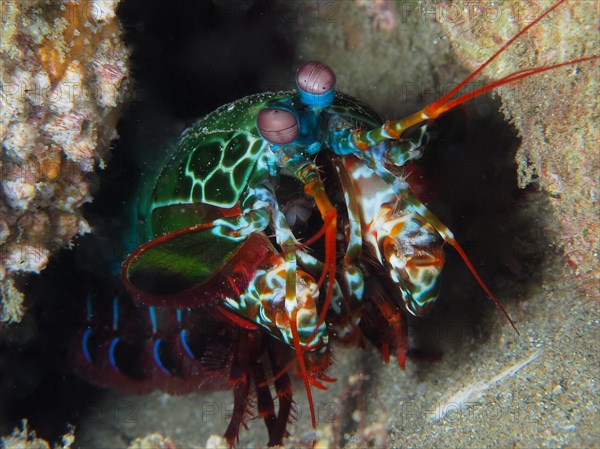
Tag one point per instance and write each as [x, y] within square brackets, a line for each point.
[556, 113]
[64, 82]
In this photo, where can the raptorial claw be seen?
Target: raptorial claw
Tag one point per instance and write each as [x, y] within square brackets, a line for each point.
[411, 249]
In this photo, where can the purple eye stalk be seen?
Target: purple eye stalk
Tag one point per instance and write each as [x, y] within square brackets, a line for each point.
[278, 126]
[316, 84]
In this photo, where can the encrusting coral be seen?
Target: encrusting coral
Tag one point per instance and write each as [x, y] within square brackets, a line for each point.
[25, 438]
[63, 83]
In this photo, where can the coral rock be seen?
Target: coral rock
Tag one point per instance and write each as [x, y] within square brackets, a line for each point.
[63, 83]
[556, 113]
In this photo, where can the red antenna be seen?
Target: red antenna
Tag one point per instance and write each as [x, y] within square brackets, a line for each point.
[394, 129]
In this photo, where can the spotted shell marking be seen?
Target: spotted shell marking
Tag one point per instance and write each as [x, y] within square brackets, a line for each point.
[215, 157]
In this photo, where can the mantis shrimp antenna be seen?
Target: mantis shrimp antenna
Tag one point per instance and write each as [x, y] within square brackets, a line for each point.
[394, 129]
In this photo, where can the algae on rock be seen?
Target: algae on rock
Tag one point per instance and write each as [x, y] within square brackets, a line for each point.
[64, 82]
[556, 113]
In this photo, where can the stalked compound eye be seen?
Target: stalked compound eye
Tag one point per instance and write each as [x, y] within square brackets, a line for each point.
[316, 83]
[278, 126]
[315, 77]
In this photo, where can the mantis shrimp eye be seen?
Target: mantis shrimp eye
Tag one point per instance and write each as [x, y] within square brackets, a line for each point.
[315, 83]
[315, 77]
[278, 126]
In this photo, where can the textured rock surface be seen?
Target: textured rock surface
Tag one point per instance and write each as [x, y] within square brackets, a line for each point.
[152, 441]
[25, 439]
[556, 113]
[63, 79]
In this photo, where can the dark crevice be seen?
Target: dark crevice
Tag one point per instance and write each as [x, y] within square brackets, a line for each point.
[472, 179]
